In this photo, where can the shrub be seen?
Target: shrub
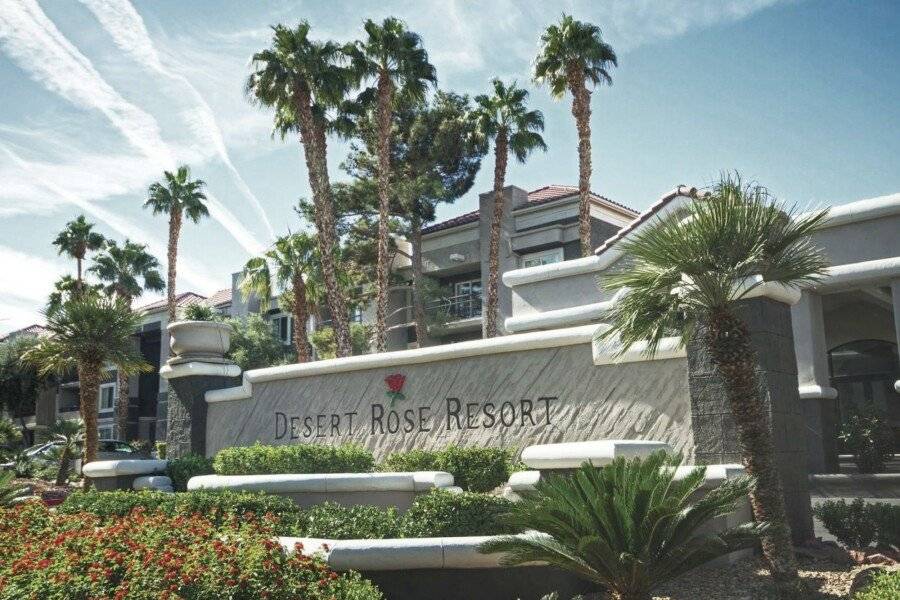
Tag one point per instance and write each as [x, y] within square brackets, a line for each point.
[441, 513]
[254, 345]
[199, 312]
[300, 458]
[473, 469]
[76, 556]
[180, 470]
[859, 523]
[330, 520]
[161, 450]
[324, 342]
[869, 438]
[884, 586]
[10, 493]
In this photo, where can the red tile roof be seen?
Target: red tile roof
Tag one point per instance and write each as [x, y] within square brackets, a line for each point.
[220, 298]
[182, 299]
[35, 330]
[544, 195]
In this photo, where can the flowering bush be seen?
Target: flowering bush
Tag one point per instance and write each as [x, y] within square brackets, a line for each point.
[51, 556]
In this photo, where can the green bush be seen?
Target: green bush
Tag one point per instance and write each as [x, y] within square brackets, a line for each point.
[300, 458]
[180, 470]
[868, 436]
[884, 586]
[473, 469]
[859, 524]
[330, 520]
[441, 513]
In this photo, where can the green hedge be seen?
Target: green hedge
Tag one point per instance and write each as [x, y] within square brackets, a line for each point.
[859, 524]
[884, 586]
[299, 458]
[331, 520]
[441, 513]
[180, 470]
[473, 469]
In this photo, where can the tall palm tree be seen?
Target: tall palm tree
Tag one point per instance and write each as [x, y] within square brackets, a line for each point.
[86, 333]
[504, 118]
[688, 276]
[128, 271]
[178, 196]
[293, 258]
[573, 54]
[392, 57]
[302, 79]
[628, 527]
[76, 240]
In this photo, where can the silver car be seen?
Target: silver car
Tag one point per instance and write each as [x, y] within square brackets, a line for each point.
[106, 450]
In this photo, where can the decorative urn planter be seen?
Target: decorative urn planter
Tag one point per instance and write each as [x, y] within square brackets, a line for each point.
[199, 340]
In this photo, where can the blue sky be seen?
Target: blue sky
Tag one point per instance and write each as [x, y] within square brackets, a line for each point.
[97, 97]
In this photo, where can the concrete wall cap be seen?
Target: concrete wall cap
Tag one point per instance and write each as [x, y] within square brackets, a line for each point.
[325, 482]
[117, 468]
[160, 483]
[716, 475]
[198, 368]
[609, 351]
[572, 455]
[523, 480]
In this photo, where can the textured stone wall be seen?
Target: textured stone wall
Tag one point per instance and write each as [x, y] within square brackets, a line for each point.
[186, 414]
[500, 400]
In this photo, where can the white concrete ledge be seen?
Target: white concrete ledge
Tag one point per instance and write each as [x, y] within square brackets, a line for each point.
[573, 315]
[811, 392]
[198, 368]
[716, 475]
[861, 210]
[859, 273]
[160, 483]
[609, 352]
[122, 468]
[509, 343]
[523, 480]
[286, 483]
[756, 287]
[599, 453]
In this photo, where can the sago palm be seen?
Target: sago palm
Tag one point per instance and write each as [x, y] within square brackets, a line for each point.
[87, 334]
[289, 262]
[687, 275]
[393, 59]
[627, 527]
[76, 240]
[301, 79]
[573, 55]
[70, 435]
[504, 118]
[178, 196]
[10, 492]
[128, 271]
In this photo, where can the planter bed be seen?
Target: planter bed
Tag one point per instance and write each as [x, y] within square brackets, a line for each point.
[128, 474]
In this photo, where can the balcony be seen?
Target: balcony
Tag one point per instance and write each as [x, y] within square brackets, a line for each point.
[455, 308]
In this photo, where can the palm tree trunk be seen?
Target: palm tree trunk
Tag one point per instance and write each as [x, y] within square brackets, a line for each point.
[124, 399]
[581, 110]
[729, 342]
[418, 291]
[78, 283]
[172, 256]
[88, 393]
[313, 140]
[500, 158]
[385, 93]
[301, 342]
[65, 460]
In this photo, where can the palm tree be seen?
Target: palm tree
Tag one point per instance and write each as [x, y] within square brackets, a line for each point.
[178, 196]
[392, 57]
[67, 288]
[10, 493]
[76, 240]
[572, 54]
[301, 79]
[688, 276]
[128, 271]
[628, 527]
[86, 334]
[504, 118]
[70, 435]
[293, 258]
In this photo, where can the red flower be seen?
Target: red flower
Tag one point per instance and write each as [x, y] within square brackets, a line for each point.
[395, 382]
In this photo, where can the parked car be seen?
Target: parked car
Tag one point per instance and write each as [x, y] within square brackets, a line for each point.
[106, 450]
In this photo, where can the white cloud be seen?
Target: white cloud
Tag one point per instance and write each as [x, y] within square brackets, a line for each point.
[25, 283]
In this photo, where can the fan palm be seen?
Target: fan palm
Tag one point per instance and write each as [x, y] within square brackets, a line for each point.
[76, 240]
[67, 288]
[572, 55]
[178, 196]
[128, 271]
[688, 274]
[392, 57]
[290, 261]
[86, 334]
[504, 118]
[628, 527]
[70, 434]
[302, 79]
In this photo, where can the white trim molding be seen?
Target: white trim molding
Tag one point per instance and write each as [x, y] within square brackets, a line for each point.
[563, 316]
[197, 368]
[859, 273]
[813, 392]
[861, 210]
[609, 352]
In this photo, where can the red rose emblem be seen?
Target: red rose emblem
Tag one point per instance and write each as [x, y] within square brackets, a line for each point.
[395, 386]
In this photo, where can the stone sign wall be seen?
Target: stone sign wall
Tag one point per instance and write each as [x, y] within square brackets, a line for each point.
[510, 399]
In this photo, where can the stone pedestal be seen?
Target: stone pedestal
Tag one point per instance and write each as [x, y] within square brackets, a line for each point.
[715, 434]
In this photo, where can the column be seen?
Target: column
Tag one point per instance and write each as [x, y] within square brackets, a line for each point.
[816, 395]
[895, 299]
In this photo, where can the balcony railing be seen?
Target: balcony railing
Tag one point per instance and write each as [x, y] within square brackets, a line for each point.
[464, 306]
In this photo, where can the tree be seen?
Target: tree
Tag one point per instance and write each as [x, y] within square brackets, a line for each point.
[293, 258]
[177, 196]
[86, 334]
[629, 526]
[504, 118]
[435, 157]
[70, 435]
[76, 240]
[301, 79]
[20, 382]
[128, 271]
[687, 276]
[253, 345]
[67, 288]
[392, 57]
[573, 54]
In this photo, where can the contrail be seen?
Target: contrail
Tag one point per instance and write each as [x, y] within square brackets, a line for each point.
[126, 27]
[33, 41]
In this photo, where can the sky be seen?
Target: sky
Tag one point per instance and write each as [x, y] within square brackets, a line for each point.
[99, 97]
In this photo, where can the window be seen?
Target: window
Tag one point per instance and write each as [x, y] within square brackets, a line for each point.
[282, 328]
[108, 395]
[545, 257]
[105, 433]
[467, 288]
